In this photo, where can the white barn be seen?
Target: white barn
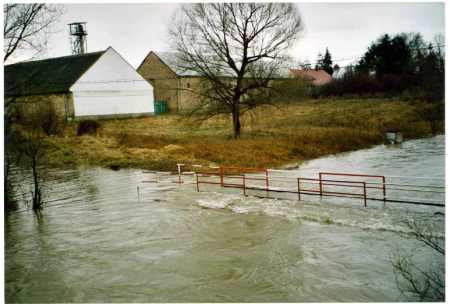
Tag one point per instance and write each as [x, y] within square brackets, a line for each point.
[94, 85]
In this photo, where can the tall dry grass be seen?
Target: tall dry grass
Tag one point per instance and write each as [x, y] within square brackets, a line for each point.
[271, 137]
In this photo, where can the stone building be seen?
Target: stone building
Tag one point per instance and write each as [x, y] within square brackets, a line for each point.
[93, 85]
[176, 85]
[170, 83]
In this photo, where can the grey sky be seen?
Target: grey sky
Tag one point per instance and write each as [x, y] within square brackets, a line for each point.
[347, 29]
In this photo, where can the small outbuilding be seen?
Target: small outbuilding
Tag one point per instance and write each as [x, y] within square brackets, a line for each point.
[93, 85]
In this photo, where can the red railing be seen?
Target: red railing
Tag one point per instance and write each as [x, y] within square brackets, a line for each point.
[321, 191]
[222, 176]
[356, 175]
[247, 169]
[322, 183]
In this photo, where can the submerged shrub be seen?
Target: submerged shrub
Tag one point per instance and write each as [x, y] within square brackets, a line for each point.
[49, 118]
[88, 126]
[40, 115]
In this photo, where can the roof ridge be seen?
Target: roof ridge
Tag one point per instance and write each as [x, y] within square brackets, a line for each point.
[49, 76]
[67, 56]
[165, 60]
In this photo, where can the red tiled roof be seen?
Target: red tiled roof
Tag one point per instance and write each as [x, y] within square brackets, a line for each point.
[317, 77]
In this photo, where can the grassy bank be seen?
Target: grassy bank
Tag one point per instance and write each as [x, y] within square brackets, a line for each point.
[271, 137]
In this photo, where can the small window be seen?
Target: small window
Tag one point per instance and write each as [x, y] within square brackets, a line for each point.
[188, 85]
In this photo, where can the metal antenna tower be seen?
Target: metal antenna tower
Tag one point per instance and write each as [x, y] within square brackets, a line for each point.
[77, 34]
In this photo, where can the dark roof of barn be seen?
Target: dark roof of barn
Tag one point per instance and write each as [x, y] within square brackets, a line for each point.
[48, 76]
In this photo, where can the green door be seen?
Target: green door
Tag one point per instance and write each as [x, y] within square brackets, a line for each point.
[160, 107]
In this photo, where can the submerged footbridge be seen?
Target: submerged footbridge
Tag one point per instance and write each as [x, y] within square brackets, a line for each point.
[291, 184]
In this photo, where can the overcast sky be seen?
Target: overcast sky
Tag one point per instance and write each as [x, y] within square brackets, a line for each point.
[347, 29]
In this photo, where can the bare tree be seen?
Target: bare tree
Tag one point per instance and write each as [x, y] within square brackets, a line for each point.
[305, 65]
[236, 49]
[26, 31]
[432, 112]
[427, 282]
[26, 27]
[35, 148]
[439, 42]
[431, 92]
[12, 156]
[35, 145]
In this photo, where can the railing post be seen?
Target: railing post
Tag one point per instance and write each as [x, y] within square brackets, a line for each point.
[243, 183]
[267, 180]
[320, 183]
[365, 196]
[298, 187]
[384, 189]
[221, 177]
[179, 173]
[196, 174]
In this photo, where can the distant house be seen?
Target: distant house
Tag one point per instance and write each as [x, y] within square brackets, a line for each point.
[93, 85]
[316, 78]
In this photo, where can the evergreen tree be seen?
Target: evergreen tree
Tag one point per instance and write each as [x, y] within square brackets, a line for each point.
[306, 65]
[327, 63]
[387, 56]
[319, 61]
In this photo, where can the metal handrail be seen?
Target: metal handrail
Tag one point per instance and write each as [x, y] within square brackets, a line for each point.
[300, 180]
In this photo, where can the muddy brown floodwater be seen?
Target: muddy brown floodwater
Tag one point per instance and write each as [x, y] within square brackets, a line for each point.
[96, 241]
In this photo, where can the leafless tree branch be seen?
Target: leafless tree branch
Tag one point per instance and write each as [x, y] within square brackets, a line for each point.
[427, 282]
[237, 48]
[26, 27]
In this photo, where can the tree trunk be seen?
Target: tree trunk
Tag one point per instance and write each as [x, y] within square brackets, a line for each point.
[433, 125]
[36, 196]
[236, 125]
[6, 186]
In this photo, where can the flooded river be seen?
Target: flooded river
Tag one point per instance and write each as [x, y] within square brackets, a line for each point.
[97, 241]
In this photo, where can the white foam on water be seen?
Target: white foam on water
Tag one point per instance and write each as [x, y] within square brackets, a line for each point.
[219, 202]
[371, 218]
[339, 210]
